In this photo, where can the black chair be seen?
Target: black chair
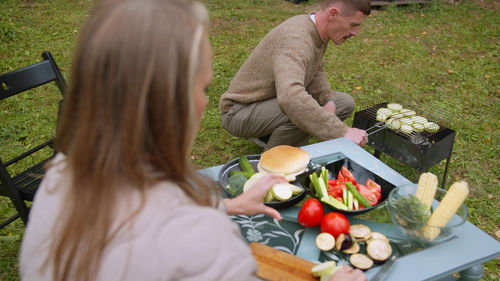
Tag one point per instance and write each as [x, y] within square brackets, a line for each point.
[21, 186]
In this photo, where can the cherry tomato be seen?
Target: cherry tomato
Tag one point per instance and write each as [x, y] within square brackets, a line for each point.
[347, 175]
[311, 213]
[335, 223]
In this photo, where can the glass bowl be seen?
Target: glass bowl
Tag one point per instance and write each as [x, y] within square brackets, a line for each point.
[412, 228]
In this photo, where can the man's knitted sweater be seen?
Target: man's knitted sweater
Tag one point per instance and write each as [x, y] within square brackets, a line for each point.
[288, 64]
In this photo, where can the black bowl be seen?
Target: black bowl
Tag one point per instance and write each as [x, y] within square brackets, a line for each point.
[233, 165]
[360, 174]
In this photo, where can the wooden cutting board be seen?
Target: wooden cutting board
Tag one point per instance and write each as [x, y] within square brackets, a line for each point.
[276, 265]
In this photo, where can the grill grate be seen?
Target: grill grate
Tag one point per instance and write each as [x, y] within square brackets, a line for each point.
[419, 150]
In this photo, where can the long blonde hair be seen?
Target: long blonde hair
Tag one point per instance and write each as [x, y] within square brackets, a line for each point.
[128, 117]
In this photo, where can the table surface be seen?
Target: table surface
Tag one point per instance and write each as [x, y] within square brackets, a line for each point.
[471, 246]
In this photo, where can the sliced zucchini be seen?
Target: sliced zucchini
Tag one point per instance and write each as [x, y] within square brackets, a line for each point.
[394, 106]
[384, 110]
[361, 261]
[393, 124]
[406, 120]
[431, 127]
[282, 191]
[407, 129]
[418, 127]
[408, 112]
[397, 115]
[382, 117]
[251, 181]
[419, 120]
[325, 241]
[269, 196]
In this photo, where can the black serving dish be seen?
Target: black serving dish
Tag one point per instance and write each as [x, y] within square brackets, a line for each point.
[360, 173]
[254, 160]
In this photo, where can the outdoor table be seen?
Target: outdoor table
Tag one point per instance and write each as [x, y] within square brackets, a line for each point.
[464, 253]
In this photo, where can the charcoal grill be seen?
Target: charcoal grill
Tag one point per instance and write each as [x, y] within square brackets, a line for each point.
[419, 151]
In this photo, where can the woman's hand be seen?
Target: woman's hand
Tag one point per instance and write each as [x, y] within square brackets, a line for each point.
[251, 202]
[348, 273]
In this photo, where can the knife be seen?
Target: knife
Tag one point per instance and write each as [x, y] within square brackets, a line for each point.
[384, 271]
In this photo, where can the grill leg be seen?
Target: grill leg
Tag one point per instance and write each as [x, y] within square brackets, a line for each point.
[445, 171]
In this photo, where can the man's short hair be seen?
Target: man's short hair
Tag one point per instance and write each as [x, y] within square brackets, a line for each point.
[350, 6]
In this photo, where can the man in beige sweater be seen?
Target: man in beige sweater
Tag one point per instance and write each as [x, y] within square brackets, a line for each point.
[281, 93]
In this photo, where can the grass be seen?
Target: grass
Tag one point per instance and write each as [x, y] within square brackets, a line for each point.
[442, 54]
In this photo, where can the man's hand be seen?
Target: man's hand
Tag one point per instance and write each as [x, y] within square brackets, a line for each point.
[358, 136]
[330, 107]
[251, 202]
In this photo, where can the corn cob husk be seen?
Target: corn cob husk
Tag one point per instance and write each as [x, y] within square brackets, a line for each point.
[427, 186]
[453, 199]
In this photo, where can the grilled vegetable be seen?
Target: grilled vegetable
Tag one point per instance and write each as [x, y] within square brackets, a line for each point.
[407, 129]
[361, 261]
[378, 250]
[394, 106]
[455, 196]
[407, 112]
[418, 127]
[325, 241]
[362, 200]
[431, 127]
[393, 123]
[426, 190]
[245, 165]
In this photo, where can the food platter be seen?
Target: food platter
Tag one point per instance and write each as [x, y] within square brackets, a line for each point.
[358, 171]
[233, 165]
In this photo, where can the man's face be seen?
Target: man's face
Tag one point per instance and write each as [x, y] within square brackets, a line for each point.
[340, 28]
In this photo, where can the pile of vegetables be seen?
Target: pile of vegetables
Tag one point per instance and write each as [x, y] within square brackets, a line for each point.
[344, 193]
[364, 247]
[405, 120]
[241, 181]
[414, 211]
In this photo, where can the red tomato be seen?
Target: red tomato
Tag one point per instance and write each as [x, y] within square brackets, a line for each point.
[311, 213]
[371, 195]
[372, 184]
[347, 175]
[335, 223]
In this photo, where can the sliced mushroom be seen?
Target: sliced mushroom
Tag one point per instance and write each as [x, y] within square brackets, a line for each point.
[361, 261]
[360, 231]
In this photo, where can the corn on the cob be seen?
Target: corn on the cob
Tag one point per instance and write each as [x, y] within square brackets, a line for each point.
[426, 190]
[446, 209]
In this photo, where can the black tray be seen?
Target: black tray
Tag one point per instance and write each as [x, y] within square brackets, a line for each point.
[254, 160]
[360, 173]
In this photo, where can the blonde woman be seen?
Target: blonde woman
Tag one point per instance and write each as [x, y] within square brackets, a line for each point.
[122, 201]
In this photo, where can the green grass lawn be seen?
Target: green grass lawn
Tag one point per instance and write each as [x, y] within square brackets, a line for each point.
[442, 54]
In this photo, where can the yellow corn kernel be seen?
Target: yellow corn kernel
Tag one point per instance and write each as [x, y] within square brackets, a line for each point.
[452, 200]
[427, 186]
